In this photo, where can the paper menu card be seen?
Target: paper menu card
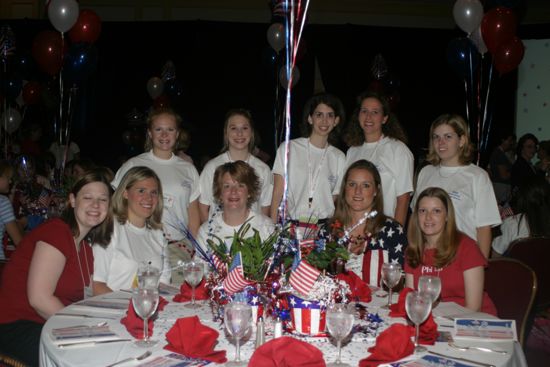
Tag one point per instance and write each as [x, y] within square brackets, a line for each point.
[175, 360]
[82, 333]
[431, 361]
[485, 329]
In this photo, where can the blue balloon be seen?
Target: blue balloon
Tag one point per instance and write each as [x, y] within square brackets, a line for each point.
[80, 63]
[13, 88]
[462, 56]
[173, 88]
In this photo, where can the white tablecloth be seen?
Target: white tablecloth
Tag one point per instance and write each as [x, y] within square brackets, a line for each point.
[352, 353]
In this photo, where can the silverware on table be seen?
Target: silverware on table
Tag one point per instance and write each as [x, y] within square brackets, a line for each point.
[461, 359]
[86, 316]
[90, 343]
[482, 349]
[138, 358]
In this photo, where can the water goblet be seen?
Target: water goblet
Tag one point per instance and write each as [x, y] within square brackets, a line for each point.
[391, 275]
[193, 273]
[238, 321]
[148, 276]
[418, 307]
[145, 301]
[339, 325]
[430, 285]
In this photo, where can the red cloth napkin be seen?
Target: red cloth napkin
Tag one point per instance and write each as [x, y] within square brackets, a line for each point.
[360, 290]
[162, 303]
[185, 292]
[287, 352]
[391, 345]
[134, 323]
[398, 309]
[192, 339]
[428, 331]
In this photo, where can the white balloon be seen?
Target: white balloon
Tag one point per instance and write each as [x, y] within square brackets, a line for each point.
[63, 14]
[283, 76]
[477, 39]
[276, 36]
[155, 87]
[468, 14]
[11, 119]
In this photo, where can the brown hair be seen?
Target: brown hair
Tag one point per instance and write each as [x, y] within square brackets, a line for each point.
[5, 167]
[151, 118]
[120, 203]
[247, 115]
[333, 102]
[448, 242]
[100, 234]
[460, 127]
[241, 172]
[342, 212]
[354, 135]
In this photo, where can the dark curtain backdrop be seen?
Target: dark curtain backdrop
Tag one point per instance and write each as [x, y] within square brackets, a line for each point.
[226, 65]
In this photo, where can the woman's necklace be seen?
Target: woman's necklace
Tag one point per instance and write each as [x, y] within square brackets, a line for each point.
[313, 179]
[347, 231]
[86, 291]
[231, 159]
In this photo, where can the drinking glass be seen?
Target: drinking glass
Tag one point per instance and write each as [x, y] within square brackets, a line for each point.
[418, 307]
[430, 285]
[391, 275]
[193, 272]
[148, 276]
[339, 325]
[145, 301]
[238, 320]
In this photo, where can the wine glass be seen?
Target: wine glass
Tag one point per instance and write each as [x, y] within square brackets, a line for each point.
[430, 285]
[418, 306]
[238, 320]
[148, 276]
[193, 272]
[391, 275]
[145, 301]
[339, 324]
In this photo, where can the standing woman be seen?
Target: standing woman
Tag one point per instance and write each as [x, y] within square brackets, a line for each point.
[137, 233]
[523, 168]
[315, 167]
[238, 145]
[373, 241]
[437, 248]
[375, 134]
[180, 180]
[52, 267]
[468, 185]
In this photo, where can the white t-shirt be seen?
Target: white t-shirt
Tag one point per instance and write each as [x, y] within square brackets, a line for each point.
[117, 264]
[59, 152]
[394, 162]
[325, 182]
[218, 228]
[512, 228]
[471, 192]
[261, 169]
[180, 186]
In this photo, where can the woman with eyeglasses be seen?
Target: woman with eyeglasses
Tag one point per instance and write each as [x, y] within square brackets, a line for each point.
[468, 185]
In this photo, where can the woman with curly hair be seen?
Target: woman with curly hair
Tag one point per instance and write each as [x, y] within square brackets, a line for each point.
[375, 134]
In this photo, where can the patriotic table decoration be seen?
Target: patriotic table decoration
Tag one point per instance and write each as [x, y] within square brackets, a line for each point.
[308, 317]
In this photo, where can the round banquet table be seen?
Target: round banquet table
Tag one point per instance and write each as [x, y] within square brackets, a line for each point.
[104, 354]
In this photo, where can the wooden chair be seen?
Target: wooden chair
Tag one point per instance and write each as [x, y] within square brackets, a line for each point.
[10, 361]
[535, 252]
[512, 286]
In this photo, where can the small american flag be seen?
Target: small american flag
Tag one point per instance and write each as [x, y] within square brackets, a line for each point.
[303, 277]
[235, 280]
[218, 264]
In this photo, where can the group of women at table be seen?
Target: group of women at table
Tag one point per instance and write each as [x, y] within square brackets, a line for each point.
[159, 197]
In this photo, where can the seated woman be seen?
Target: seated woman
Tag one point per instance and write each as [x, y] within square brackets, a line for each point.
[437, 248]
[137, 234]
[532, 202]
[373, 241]
[236, 186]
[52, 267]
[7, 217]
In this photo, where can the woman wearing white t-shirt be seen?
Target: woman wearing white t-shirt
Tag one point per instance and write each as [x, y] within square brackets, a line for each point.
[375, 134]
[238, 145]
[315, 167]
[137, 235]
[236, 186]
[468, 185]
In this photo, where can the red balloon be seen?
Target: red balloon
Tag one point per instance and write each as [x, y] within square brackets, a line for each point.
[47, 50]
[87, 27]
[31, 93]
[162, 101]
[497, 27]
[509, 55]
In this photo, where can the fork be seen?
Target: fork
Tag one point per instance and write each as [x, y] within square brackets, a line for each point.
[482, 349]
[138, 358]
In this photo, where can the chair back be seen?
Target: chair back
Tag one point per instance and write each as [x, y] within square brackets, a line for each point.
[512, 286]
[535, 252]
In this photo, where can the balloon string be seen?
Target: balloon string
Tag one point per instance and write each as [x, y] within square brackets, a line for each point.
[485, 109]
[5, 112]
[480, 119]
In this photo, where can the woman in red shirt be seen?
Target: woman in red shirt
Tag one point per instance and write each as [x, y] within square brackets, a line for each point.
[52, 266]
[437, 248]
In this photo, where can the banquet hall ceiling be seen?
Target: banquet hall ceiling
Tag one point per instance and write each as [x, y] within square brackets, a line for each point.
[399, 13]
